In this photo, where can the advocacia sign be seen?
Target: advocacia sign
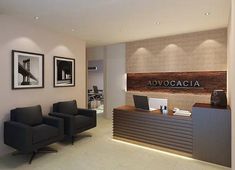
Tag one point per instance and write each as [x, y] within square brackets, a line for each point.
[174, 83]
[177, 82]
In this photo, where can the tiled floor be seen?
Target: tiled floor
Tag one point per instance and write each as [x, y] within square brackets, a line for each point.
[100, 152]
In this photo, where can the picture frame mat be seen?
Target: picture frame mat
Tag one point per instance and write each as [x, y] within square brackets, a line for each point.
[15, 69]
[56, 58]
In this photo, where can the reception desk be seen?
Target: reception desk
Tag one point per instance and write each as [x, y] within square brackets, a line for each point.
[153, 128]
[205, 136]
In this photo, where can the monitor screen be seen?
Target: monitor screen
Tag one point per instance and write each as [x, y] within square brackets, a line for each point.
[141, 102]
[156, 103]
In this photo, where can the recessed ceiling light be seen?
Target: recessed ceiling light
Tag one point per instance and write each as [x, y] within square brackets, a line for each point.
[73, 29]
[207, 13]
[158, 23]
[37, 17]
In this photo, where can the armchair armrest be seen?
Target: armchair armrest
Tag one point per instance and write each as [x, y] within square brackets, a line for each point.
[53, 121]
[61, 115]
[56, 122]
[68, 121]
[87, 112]
[18, 135]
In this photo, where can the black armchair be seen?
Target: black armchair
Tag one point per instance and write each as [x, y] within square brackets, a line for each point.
[76, 120]
[29, 132]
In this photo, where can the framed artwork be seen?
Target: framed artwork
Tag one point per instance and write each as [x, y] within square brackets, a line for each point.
[27, 70]
[64, 72]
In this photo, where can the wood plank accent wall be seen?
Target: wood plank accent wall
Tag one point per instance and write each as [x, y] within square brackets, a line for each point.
[209, 81]
[190, 52]
[173, 132]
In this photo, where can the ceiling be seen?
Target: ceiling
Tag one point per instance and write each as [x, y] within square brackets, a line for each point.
[102, 22]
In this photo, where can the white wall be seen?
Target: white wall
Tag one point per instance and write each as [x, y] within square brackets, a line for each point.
[25, 36]
[115, 69]
[95, 53]
[114, 57]
[231, 77]
[96, 77]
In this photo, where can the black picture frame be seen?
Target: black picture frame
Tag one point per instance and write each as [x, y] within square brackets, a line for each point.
[27, 70]
[64, 71]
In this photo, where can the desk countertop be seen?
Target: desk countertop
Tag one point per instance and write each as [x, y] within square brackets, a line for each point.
[207, 105]
[132, 109]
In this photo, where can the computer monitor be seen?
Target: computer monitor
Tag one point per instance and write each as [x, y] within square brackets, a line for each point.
[156, 103]
[141, 102]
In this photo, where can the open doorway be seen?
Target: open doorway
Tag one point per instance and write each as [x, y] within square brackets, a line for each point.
[95, 82]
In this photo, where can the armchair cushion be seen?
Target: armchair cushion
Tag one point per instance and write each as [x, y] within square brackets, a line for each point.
[28, 115]
[69, 107]
[44, 132]
[81, 121]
